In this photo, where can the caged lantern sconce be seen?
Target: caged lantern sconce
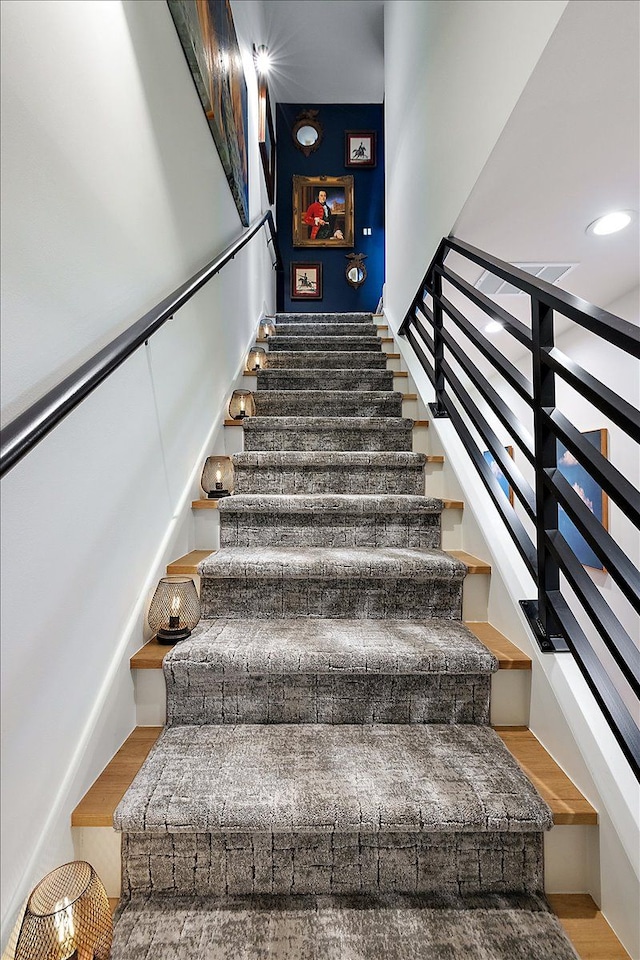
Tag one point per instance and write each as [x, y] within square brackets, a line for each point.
[267, 329]
[257, 359]
[242, 405]
[217, 477]
[175, 609]
[67, 917]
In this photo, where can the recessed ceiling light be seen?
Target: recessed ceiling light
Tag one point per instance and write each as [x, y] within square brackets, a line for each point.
[262, 59]
[493, 327]
[610, 223]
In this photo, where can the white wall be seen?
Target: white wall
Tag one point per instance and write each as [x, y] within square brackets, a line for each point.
[453, 73]
[113, 195]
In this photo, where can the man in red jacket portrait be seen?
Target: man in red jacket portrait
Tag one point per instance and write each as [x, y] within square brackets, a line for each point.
[318, 217]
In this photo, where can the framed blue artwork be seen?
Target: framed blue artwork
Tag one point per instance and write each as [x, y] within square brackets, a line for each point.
[589, 491]
[496, 470]
[210, 46]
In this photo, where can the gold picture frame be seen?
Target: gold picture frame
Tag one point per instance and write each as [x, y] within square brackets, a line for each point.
[323, 221]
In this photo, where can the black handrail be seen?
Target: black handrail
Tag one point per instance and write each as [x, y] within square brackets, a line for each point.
[439, 334]
[30, 427]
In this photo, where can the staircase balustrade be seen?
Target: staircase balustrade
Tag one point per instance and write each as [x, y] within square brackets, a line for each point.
[439, 333]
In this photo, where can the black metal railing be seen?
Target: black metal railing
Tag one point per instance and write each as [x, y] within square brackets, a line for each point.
[440, 334]
[31, 426]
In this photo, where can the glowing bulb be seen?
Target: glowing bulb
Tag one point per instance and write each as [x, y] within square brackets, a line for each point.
[610, 223]
[63, 920]
[262, 60]
[218, 476]
[242, 405]
[175, 606]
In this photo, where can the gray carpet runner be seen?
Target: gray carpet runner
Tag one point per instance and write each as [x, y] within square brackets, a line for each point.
[327, 785]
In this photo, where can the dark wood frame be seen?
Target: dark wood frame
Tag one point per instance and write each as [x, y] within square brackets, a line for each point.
[305, 189]
[266, 138]
[348, 161]
[307, 266]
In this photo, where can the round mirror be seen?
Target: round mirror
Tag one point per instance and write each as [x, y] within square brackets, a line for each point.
[356, 272]
[307, 136]
[307, 132]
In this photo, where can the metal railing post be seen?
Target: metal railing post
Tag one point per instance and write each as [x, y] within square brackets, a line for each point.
[539, 612]
[438, 409]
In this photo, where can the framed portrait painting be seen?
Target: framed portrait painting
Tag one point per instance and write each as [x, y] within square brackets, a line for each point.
[323, 211]
[360, 148]
[306, 281]
[210, 46]
[589, 491]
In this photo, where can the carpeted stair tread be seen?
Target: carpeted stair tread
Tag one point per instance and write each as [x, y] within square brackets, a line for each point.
[344, 329]
[363, 403]
[391, 927]
[326, 359]
[328, 503]
[323, 318]
[342, 459]
[348, 647]
[328, 433]
[331, 343]
[328, 424]
[308, 377]
[300, 563]
[319, 779]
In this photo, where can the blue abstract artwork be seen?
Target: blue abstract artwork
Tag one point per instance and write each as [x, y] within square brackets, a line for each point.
[589, 491]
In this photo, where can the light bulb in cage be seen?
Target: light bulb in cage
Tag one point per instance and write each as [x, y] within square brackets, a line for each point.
[217, 477]
[257, 359]
[67, 916]
[242, 405]
[267, 328]
[175, 609]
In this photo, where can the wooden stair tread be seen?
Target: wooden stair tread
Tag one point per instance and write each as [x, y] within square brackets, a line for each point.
[99, 802]
[586, 927]
[453, 504]
[473, 564]
[566, 802]
[509, 656]
[400, 373]
[150, 656]
[211, 504]
[392, 356]
[436, 458]
[188, 564]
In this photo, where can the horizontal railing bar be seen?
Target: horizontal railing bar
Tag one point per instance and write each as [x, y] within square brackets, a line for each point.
[617, 331]
[511, 373]
[422, 359]
[612, 556]
[602, 471]
[501, 409]
[515, 526]
[424, 309]
[599, 682]
[622, 413]
[31, 426]
[424, 333]
[508, 466]
[518, 329]
[614, 636]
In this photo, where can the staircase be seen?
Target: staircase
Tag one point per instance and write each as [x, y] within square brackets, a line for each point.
[327, 784]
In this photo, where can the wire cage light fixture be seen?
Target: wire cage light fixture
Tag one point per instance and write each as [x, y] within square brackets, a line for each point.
[241, 405]
[67, 917]
[175, 609]
[217, 477]
[257, 359]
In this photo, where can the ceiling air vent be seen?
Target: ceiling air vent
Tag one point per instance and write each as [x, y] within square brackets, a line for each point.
[496, 287]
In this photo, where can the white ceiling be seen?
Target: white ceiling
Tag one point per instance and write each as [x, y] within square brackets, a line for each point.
[325, 51]
[568, 154]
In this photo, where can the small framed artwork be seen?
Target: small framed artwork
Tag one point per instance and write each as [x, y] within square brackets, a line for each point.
[306, 281]
[322, 211]
[494, 466]
[589, 491]
[360, 148]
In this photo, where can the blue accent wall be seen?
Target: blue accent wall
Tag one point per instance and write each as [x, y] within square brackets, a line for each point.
[328, 160]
